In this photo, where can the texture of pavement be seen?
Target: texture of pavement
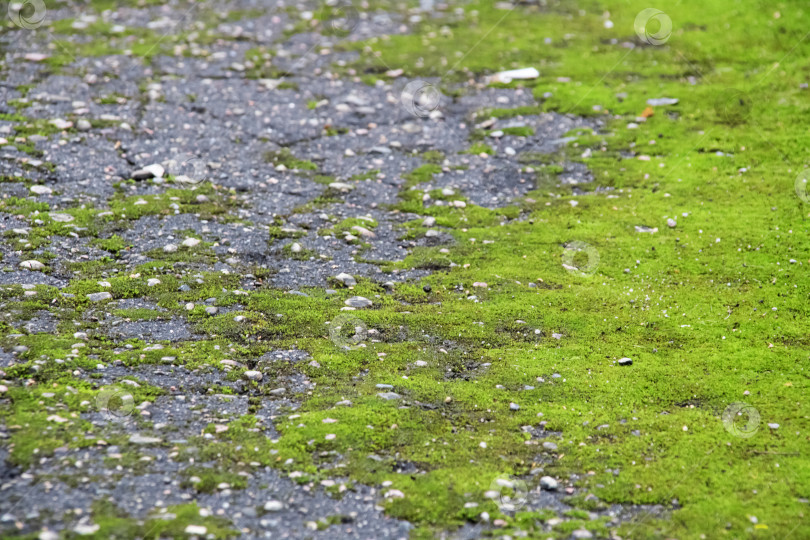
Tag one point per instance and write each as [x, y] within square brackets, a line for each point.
[279, 158]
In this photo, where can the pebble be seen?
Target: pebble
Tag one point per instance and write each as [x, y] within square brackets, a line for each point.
[191, 242]
[388, 395]
[196, 529]
[358, 302]
[252, 375]
[363, 232]
[514, 407]
[99, 296]
[347, 279]
[61, 218]
[170, 248]
[429, 222]
[83, 125]
[155, 169]
[548, 483]
[211, 310]
[625, 362]
[41, 190]
[672, 223]
[661, 102]
[341, 186]
[273, 506]
[143, 439]
[581, 534]
[152, 282]
[60, 123]
[549, 445]
[32, 265]
[295, 247]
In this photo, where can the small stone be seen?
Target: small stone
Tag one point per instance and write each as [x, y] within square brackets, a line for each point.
[83, 125]
[389, 396]
[347, 279]
[363, 232]
[41, 190]
[773, 426]
[341, 186]
[143, 439]
[672, 223]
[211, 310]
[32, 265]
[394, 494]
[99, 296]
[514, 407]
[61, 218]
[625, 362]
[581, 534]
[191, 242]
[170, 248]
[273, 506]
[59, 123]
[152, 282]
[198, 530]
[295, 247]
[480, 284]
[427, 288]
[155, 169]
[253, 375]
[358, 302]
[549, 445]
[429, 222]
[86, 529]
[662, 102]
[548, 483]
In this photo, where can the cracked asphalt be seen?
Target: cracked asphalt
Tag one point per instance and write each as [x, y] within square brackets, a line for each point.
[210, 119]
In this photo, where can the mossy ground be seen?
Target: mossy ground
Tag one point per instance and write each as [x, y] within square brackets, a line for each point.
[712, 311]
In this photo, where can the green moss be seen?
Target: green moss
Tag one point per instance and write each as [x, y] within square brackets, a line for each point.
[421, 174]
[285, 157]
[480, 148]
